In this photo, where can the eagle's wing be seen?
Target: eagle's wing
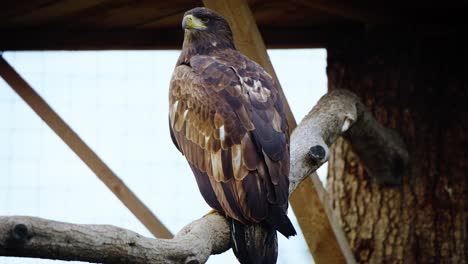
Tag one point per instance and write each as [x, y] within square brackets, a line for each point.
[227, 119]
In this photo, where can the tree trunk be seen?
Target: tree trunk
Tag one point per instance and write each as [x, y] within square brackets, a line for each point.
[416, 85]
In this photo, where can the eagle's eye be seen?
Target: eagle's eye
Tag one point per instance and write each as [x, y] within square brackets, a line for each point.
[205, 20]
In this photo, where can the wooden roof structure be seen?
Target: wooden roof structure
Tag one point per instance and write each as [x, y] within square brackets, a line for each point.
[151, 24]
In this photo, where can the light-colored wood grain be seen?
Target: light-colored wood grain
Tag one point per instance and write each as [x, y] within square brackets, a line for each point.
[311, 211]
[314, 223]
[86, 154]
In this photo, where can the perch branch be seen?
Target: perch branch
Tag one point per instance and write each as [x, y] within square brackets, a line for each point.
[39, 238]
[338, 113]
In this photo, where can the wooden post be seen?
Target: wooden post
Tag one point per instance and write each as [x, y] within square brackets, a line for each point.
[324, 236]
[86, 154]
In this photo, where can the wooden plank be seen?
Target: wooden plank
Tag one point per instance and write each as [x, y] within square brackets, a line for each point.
[74, 18]
[364, 14]
[51, 11]
[132, 15]
[86, 154]
[328, 243]
[324, 237]
[17, 7]
[93, 39]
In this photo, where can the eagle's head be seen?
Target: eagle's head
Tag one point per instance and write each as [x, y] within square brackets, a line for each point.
[205, 28]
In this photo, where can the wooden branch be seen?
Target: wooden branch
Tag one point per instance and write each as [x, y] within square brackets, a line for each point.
[341, 113]
[82, 150]
[39, 238]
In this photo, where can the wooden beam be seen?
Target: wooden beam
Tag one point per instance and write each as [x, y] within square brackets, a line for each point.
[86, 154]
[147, 39]
[322, 231]
[13, 8]
[91, 39]
[325, 239]
[344, 9]
[50, 11]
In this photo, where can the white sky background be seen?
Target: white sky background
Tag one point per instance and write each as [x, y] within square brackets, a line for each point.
[117, 102]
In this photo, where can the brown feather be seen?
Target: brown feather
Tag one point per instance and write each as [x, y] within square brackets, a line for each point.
[217, 166]
[245, 118]
[226, 161]
[249, 153]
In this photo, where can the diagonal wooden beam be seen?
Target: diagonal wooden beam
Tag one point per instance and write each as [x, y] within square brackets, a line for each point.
[86, 154]
[324, 236]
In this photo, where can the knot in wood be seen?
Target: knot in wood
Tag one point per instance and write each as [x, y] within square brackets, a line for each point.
[19, 233]
[317, 153]
[193, 261]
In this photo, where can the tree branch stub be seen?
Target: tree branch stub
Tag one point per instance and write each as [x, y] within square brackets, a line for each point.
[341, 113]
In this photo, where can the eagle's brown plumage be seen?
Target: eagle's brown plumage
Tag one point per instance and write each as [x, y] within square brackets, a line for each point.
[226, 117]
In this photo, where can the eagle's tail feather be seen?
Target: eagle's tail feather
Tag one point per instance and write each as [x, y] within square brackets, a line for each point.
[254, 243]
[280, 221]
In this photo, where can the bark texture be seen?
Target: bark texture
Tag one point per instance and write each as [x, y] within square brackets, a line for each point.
[417, 85]
[24, 236]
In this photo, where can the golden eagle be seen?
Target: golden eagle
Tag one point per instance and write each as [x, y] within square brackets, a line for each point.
[226, 117]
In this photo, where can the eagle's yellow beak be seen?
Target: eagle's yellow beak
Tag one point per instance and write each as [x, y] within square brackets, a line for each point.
[191, 22]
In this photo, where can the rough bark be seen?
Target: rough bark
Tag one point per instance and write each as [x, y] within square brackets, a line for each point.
[336, 113]
[40, 238]
[417, 85]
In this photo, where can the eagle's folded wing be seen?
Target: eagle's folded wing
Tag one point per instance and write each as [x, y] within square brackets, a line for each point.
[229, 123]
